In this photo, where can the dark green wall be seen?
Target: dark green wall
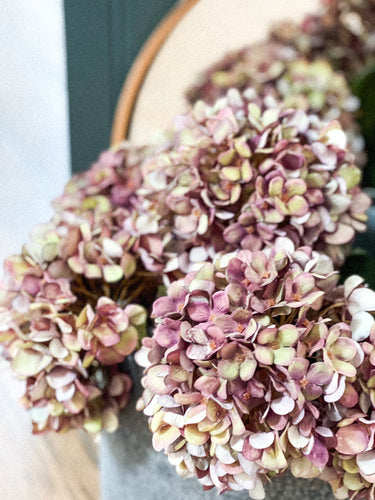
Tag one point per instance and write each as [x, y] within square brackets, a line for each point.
[102, 38]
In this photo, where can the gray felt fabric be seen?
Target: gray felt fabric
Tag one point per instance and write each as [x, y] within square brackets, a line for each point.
[132, 470]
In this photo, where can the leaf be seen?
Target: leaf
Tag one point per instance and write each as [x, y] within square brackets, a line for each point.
[360, 262]
[362, 87]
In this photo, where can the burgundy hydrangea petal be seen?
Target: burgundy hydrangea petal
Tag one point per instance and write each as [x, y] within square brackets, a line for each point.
[319, 455]
[220, 302]
[167, 333]
[207, 385]
[250, 453]
[106, 335]
[319, 374]
[198, 309]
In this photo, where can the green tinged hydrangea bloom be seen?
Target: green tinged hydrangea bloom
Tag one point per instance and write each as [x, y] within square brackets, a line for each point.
[66, 312]
[276, 70]
[257, 364]
[342, 32]
[241, 173]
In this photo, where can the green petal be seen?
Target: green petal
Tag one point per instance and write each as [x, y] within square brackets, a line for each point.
[93, 425]
[295, 187]
[276, 186]
[247, 369]
[284, 356]
[297, 206]
[274, 459]
[264, 355]
[28, 363]
[194, 436]
[288, 335]
[228, 369]
[351, 175]
[273, 216]
[231, 173]
[352, 481]
[112, 273]
[344, 368]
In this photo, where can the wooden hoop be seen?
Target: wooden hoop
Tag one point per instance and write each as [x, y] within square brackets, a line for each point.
[133, 83]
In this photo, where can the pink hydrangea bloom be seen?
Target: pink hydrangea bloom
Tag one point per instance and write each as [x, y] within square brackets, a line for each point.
[67, 311]
[254, 368]
[278, 70]
[243, 173]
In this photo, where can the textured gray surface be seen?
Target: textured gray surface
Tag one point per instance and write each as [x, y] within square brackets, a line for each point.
[132, 470]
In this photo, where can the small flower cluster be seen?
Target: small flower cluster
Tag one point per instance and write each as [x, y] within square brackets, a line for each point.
[277, 70]
[342, 32]
[68, 316]
[240, 174]
[257, 364]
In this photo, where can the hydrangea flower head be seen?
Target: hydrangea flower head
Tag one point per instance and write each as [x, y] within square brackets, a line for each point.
[276, 70]
[251, 360]
[69, 304]
[242, 173]
[342, 32]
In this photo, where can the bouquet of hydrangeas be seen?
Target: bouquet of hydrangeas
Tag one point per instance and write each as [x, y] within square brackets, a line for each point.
[225, 244]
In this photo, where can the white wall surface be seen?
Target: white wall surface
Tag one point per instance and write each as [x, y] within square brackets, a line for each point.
[34, 135]
[34, 166]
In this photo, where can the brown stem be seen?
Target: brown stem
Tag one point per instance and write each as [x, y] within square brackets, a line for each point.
[332, 306]
[79, 290]
[107, 290]
[136, 293]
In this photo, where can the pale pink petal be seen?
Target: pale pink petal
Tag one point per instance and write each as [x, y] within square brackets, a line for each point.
[352, 439]
[261, 440]
[351, 283]
[195, 414]
[361, 325]
[366, 462]
[60, 376]
[296, 439]
[361, 299]
[283, 405]
[246, 481]
[223, 453]
[335, 389]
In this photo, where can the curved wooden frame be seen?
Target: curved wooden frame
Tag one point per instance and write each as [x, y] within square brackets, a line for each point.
[138, 72]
